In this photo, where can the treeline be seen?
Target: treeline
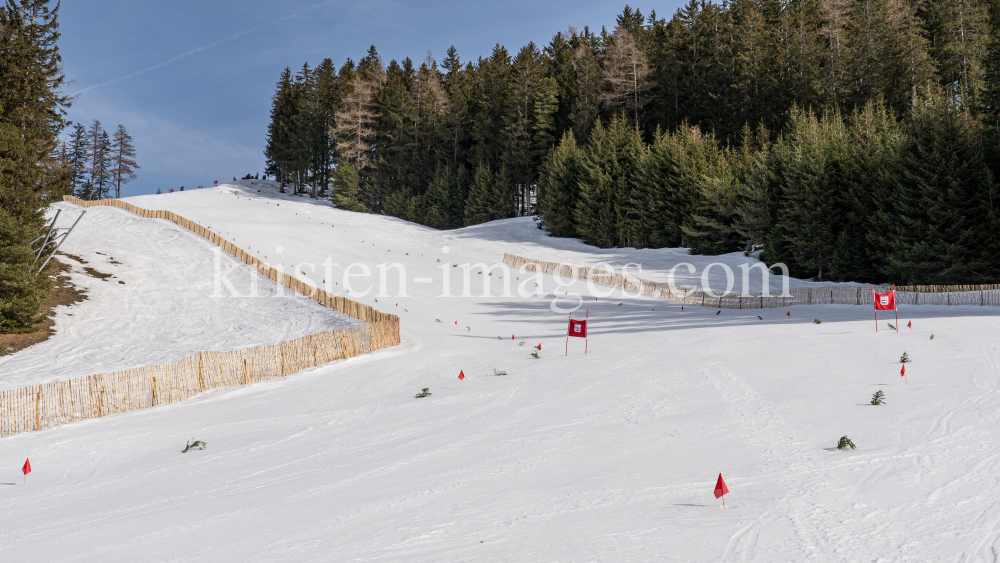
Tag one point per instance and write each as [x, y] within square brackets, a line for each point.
[95, 165]
[32, 113]
[725, 127]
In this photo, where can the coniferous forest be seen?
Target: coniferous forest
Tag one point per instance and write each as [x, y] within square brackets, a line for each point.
[850, 139]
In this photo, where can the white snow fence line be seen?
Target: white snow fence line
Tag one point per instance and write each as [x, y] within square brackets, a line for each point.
[983, 295]
[51, 404]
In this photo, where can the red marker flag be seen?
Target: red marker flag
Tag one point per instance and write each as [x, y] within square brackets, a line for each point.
[539, 347]
[577, 328]
[902, 371]
[461, 374]
[26, 469]
[909, 325]
[512, 337]
[789, 315]
[721, 489]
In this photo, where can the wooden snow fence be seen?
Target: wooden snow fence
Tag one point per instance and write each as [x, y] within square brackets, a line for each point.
[51, 404]
[982, 295]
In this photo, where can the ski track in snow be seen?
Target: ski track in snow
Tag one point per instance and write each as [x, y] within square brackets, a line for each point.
[609, 456]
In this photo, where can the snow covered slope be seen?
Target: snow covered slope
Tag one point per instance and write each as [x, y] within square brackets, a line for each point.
[158, 305]
[609, 456]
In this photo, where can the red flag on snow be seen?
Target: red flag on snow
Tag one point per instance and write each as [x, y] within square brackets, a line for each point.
[539, 347]
[788, 314]
[902, 372]
[578, 328]
[909, 324]
[27, 467]
[721, 489]
[461, 374]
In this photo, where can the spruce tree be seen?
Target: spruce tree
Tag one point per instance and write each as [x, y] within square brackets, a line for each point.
[346, 188]
[941, 223]
[31, 116]
[559, 187]
[606, 183]
[489, 197]
[122, 159]
[78, 159]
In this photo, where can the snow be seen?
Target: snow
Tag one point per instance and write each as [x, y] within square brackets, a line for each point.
[609, 456]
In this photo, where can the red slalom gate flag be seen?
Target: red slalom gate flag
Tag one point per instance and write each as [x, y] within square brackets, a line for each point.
[461, 375]
[26, 469]
[577, 329]
[909, 325]
[902, 373]
[885, 302]
[721, 489]
[789, 315]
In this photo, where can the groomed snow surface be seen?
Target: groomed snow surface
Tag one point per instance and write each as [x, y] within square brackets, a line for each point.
[608, 456]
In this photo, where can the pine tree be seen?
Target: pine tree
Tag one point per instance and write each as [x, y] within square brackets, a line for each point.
[123, 165]
[278, 143]
[559, 187]
[79, 157]
[32, 110]
[941, 222]
[990, 99]
[809, 188]
[101, 173]
[489, 197]
[611, 157]
[346, 188]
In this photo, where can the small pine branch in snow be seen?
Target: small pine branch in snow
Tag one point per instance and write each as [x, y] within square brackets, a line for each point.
[878, 398]
[845, 443]
[521, 343]
[425, 392]
[437, 320]
[932, 337]
[890, 326]
[535, 355]
[817, 321]
[498, 372]
[194, 445]
[905, 358]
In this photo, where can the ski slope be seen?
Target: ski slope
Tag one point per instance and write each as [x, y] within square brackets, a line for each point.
[608, 456]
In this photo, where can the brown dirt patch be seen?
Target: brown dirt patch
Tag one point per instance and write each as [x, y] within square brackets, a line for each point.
[74, 257]
[63, 293]
[95, 274]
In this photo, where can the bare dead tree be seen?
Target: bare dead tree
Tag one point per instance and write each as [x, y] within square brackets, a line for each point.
[626, 75]
[353, 124]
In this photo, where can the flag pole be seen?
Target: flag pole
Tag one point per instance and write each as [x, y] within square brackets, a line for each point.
[567, 334]
[876, 308]
[586, 341]
[895, 308]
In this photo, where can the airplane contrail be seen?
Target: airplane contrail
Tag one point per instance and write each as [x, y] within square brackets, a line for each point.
[193, 51]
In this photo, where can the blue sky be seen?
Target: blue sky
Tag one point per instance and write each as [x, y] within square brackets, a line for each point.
[192, 81]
